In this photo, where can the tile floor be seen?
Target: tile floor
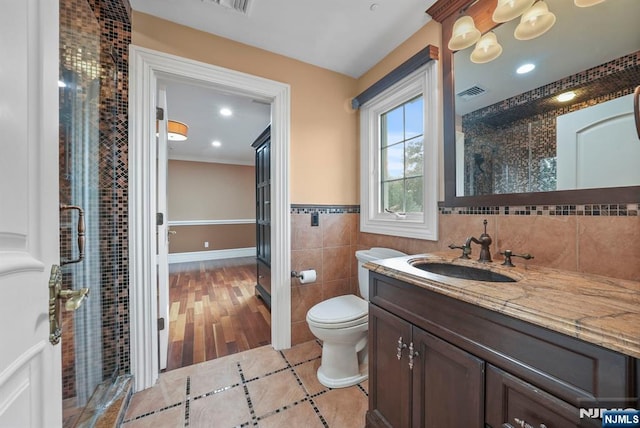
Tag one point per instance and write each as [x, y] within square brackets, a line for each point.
[260, 387]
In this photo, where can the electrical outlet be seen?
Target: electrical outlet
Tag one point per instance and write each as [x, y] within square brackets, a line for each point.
[206, 244]
[315, 219]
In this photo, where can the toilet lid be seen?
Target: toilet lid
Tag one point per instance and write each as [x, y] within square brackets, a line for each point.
[339, 310]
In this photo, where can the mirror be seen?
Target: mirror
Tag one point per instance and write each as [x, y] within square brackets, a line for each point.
[508, 140]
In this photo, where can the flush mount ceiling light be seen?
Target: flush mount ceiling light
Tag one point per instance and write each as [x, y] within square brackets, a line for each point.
[586, 3]
[464, 34]
[176, 131]
[216, 143]
[525, 68]
[487, 49]
[506, 10]
[566, 96]
[535, 22]
[225, 111]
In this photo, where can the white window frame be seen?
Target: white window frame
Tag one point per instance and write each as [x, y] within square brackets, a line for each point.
[423, 81]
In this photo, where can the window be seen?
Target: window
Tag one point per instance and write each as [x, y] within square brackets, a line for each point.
[399, 136]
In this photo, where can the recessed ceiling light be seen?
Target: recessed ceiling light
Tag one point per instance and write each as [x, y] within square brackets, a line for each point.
[226, 111]
[216, 143]
[525, 68]
[566, 96]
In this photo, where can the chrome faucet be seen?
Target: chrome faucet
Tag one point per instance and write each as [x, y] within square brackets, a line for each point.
[484, 241]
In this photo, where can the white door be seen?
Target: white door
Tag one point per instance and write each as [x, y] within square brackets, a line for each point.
[597, 146]
[163, 233]
[30, 372]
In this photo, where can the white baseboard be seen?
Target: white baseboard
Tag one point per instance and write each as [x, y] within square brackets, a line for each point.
[197, 256]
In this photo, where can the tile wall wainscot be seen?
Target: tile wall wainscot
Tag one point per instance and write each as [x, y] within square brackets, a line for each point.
[595, 239]
[329, 248]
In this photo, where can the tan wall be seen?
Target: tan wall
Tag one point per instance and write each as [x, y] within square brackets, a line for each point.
[429, 34]
[210, 191]
[219, 236]
[324, 151]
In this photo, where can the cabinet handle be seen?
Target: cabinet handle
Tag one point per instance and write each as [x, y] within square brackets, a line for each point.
[412, 354]
[400, 347]
[522, 424]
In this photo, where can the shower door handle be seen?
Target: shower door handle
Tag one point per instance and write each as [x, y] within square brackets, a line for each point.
[74, 299]
[81, 229]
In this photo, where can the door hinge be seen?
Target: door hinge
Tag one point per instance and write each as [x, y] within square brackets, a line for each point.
[160, 324]
[159, 219]
[159, 113]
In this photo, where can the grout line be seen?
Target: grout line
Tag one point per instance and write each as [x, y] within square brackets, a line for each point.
[254, 418]
[153, 412]
[361, 388]
[187, 402]
[308, 396]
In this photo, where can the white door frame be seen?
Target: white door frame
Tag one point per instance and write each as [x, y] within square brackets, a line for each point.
[145, 67]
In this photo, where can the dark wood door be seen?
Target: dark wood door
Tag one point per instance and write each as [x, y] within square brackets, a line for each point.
[448, 384]
[512, 402]
[389, 378]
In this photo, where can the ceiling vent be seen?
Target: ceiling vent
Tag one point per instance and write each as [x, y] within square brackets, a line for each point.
[472, 92]
[241, 6]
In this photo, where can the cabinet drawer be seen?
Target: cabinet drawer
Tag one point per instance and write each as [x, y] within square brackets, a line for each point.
[512, 401]
[563, 366]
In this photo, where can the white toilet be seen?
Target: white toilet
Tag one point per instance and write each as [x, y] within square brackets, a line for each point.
[342, 324]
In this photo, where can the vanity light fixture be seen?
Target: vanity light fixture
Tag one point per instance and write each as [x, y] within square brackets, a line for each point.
[506, 10]
[525, 68]
[566, 96]
[464, 34]
[586, 3]
[216, 143]
[535, 22]
[226, 112]
[487, 49]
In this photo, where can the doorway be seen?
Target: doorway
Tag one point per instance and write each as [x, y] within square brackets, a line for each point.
[147, 66]
[210, 212]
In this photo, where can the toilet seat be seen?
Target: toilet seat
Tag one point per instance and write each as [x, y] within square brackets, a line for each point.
[339, 312]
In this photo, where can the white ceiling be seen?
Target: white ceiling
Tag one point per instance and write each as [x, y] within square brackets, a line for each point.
[345, 36]
[199, 108]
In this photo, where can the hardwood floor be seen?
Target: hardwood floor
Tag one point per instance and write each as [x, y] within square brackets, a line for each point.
[214, 311]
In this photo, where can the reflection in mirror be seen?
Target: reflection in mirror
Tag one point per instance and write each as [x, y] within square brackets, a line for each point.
[512, 133]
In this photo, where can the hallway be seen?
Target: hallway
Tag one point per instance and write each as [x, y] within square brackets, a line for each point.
[213, 311]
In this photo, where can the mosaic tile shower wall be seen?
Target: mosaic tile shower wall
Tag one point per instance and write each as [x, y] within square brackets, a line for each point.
[499, 154]
[94, 41]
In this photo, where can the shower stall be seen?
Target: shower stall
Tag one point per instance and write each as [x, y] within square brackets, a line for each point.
[89, 247]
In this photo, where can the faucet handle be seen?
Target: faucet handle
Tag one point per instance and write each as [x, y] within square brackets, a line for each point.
[466, 250]
[508, 254]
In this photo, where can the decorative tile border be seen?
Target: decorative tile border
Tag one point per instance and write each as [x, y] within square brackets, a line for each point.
[594, 210]
[324, 209]
[612, 210]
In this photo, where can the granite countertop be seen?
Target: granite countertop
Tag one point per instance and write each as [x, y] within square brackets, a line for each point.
[597, 309]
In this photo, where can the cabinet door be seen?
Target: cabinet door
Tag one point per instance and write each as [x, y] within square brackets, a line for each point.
[514, 402]
[448, 384]
[389, 378]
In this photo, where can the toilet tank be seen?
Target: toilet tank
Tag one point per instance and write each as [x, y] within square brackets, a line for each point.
[363, 256]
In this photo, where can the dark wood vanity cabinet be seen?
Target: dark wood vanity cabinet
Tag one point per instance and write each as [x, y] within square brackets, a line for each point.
[413, 372]
[262, 145]
[472, 367]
